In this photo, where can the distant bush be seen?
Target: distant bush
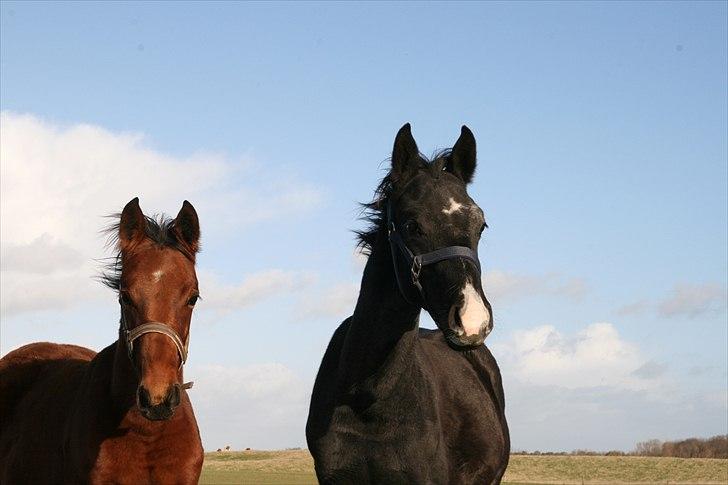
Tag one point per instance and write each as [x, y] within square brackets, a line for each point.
[648, 448]
[715, 447]
[585, 453]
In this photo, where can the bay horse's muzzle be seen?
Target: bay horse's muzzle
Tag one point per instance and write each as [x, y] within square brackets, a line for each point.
[161, 410]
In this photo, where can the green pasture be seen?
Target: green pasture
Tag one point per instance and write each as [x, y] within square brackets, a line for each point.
[293, 467]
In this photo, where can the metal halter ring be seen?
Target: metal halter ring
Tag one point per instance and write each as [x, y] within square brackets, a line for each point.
[416, 268]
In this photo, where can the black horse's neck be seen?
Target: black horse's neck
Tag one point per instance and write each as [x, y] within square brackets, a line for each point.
[383, 328]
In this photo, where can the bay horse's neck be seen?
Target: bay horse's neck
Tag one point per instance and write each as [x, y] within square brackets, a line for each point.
[383, 328]
[124, 380]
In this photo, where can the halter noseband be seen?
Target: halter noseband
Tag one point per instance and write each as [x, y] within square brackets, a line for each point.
[417, 261]
[130, 335]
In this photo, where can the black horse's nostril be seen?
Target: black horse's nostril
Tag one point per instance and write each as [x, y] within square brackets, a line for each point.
[173, 396]
[143, 398]
[453, 319]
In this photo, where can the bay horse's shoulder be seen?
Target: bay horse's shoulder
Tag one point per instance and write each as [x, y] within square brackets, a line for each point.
[28, 365]
[41, 351]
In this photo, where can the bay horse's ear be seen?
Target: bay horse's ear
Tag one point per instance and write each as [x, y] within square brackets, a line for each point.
[187, 227]
[405, 155]
[462, 158]
[131, 224]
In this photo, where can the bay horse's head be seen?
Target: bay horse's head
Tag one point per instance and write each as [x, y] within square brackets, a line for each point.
[157, 286]
[433, 227]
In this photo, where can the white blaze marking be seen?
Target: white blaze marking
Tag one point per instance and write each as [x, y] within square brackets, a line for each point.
[454, 207]
[473, 313]
[157, 275]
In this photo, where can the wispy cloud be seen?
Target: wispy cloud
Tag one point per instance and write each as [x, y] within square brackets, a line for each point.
[57, 181]
[508, 286]
[253, 289]
[686, 300]
[42, 255]
[692, 301]
[337, 301]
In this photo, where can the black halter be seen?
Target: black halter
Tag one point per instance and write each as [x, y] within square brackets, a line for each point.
[415, 262]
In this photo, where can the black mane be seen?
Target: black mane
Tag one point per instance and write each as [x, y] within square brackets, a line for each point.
[158, 229]
[374, 212]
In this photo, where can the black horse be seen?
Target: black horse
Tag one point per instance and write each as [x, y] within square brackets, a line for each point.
[393, 403]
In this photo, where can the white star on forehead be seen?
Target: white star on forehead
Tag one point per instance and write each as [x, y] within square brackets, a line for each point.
[157, 275]
[454, 207]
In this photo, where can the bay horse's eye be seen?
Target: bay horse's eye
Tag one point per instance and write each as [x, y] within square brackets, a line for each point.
[193, 300]
[412, 228]
[482, 228]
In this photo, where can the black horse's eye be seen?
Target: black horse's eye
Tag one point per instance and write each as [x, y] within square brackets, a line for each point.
[412, 228]
[193, 300]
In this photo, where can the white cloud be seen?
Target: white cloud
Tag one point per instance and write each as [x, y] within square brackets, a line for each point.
[43, 255]
[694, 300]
[257, 406]
[595, 390]
[22, 292]
[593, 357]
[506, 286]
[337, 301]
[56, 183]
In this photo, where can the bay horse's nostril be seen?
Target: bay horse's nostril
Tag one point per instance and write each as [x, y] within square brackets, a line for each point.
[173, 396]
[144, 400]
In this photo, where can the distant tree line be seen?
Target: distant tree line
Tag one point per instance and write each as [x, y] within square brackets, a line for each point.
[715, 447]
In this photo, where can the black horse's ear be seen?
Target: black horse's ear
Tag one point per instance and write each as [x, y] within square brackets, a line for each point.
[405, 155]
[131, 224]
[462, 158]
[187, 227]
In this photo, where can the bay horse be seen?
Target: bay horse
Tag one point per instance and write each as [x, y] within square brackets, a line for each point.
[69, 415]
[393, 403]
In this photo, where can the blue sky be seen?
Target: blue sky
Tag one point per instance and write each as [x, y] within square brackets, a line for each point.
[601, 132]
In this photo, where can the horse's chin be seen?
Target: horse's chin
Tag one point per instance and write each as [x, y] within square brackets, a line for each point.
[462, 344]
[157, 413]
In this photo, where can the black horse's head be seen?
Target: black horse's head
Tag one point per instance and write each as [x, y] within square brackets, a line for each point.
[430, 216]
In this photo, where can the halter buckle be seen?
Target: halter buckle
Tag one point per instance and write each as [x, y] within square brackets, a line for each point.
[416, 268]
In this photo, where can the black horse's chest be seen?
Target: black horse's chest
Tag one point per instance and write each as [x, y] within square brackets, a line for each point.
[384, 443]
[430, 429]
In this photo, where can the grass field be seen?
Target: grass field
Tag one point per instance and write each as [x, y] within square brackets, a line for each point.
[296, 467]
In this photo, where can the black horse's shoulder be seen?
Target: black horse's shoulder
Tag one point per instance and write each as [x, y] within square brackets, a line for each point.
[480, 359]
[484, 362]
[322, 396]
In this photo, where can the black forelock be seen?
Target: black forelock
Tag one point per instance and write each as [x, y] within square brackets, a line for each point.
[374, 213]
